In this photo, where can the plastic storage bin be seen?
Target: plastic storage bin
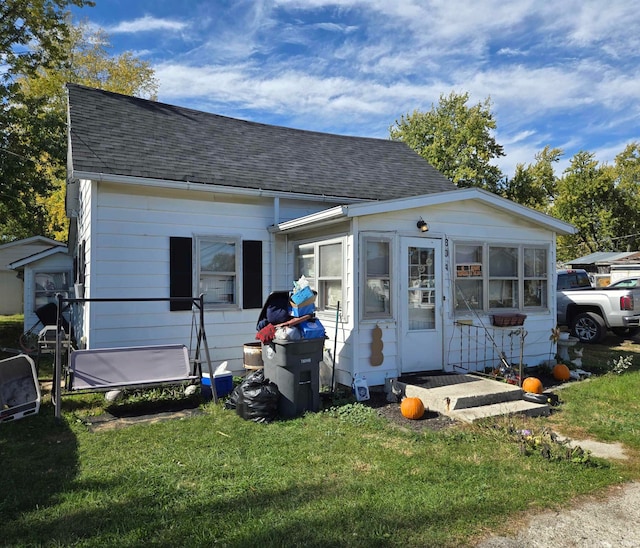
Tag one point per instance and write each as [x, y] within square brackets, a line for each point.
[19, 388]
[223, 383]
[295, 367]
[312, 329]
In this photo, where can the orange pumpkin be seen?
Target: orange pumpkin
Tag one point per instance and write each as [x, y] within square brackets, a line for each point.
[561, 372]
[412, 408]
[532, 384]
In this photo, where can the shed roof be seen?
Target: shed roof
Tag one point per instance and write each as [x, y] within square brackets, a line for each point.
[604, 258]
[21, 263]
[113, 134]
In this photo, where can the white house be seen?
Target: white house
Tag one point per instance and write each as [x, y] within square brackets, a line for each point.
[166, 201]
[11, 281]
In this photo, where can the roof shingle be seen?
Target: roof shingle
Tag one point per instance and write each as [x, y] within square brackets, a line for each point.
[128, 136]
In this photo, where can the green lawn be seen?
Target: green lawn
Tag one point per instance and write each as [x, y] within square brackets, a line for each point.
[342, 477]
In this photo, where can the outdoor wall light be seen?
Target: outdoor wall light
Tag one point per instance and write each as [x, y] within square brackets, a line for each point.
[422, 226]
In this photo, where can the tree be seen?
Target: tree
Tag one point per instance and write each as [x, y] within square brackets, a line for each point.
[535, 185]
[587, 198]
[25, 23]
[32, 36]
[627, 179]
[455, 139]
[42, 113]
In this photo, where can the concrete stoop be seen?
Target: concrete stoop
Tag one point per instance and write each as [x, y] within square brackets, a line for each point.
[468, 397]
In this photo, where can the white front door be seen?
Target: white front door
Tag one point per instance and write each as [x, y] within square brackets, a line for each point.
[421, 303]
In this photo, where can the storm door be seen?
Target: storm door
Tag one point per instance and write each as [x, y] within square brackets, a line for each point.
[421, 303]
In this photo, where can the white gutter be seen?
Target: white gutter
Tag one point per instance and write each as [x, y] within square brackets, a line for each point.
[205, 187]
[332, 215]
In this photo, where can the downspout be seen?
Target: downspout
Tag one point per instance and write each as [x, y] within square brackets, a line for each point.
[354, 311]
[272, 245]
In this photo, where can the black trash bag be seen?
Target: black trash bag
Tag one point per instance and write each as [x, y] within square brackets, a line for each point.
[257, 398]
[232, 400]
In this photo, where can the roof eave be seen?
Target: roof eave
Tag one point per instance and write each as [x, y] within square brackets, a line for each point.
[205, 187]
[457, 195]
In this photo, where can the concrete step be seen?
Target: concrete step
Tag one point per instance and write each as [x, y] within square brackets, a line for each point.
[520, 407]
[469, 391]
[469, 397]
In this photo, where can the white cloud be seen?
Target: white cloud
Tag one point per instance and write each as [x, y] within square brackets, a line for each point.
[147, 24]
[334, 27]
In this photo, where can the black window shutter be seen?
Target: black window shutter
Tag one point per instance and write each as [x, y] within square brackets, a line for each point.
[251, 274]
[180, 272]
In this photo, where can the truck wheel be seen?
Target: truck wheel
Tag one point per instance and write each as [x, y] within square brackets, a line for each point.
[589, 327]
[625, 331]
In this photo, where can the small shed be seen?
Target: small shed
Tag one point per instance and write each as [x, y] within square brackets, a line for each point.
[607, 267]
[45, 274]
[11, 282]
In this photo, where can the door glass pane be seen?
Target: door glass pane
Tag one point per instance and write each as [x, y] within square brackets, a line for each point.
[377, 276]
[422, 292]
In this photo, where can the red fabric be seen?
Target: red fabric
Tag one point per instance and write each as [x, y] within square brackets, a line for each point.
[266, 334]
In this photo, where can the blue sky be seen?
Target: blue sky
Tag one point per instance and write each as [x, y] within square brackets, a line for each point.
[564, 74]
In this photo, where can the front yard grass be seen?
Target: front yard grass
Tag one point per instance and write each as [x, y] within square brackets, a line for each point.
[342, 477]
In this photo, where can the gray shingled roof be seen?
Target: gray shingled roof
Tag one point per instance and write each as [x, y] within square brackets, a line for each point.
[121, 135]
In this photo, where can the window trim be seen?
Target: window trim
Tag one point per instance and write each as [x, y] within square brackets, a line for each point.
[486, 278]
[236, 241]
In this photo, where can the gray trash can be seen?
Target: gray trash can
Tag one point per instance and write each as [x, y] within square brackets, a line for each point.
[295, 367]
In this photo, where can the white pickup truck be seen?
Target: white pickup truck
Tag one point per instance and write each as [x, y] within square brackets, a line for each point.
[590, 311]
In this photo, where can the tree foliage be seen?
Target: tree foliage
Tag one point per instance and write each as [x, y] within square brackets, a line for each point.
[535, 185]
[32, 37]
[586, 198]
[38, 112]
[627, 179]
[456, 139]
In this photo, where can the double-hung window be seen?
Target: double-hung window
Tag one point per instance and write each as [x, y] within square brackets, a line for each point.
[322, 264]
[218, 270]
[535, 278]
[503, 277]
[491, 277]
